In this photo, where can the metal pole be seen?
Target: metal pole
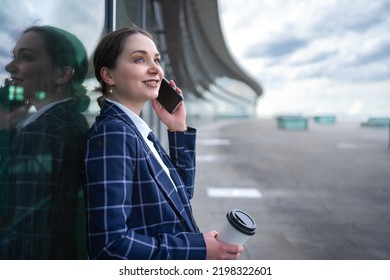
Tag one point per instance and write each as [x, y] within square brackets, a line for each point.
[143, 14]
[142, 24]
[110, 23]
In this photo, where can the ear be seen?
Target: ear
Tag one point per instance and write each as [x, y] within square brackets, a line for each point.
[65, 75]
[107, 76]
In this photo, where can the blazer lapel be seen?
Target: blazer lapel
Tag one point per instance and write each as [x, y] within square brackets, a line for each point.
[168, 189]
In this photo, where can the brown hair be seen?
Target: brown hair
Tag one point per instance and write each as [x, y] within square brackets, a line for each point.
[65, 49]
[108, 50]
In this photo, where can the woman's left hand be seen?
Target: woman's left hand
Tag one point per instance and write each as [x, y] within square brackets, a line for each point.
[175, 121]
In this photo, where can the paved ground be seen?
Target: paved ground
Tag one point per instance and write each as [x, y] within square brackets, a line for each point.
[325, 192]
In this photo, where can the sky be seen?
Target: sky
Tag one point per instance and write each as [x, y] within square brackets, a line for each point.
[313, 57]
[17, 15]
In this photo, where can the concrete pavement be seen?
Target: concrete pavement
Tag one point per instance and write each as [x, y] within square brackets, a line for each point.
[321, 193]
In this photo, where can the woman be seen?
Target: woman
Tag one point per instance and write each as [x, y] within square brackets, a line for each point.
[137, 197]
[44, 165]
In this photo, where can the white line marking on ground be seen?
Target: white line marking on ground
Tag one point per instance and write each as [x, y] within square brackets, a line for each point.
[234, 192]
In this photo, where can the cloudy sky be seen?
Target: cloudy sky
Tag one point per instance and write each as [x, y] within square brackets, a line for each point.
[313, 57]
[17, 15]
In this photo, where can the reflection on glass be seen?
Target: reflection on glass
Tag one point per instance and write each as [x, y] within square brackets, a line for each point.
[84, 18]
[40, 215]
[40, 203]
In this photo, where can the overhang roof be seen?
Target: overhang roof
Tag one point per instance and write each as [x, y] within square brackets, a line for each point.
[196, 47]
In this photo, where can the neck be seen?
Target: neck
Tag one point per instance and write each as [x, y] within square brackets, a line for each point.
[39, 104]
[135, 108]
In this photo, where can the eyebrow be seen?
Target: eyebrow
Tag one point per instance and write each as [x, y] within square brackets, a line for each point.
[143, 52]
[22, 50]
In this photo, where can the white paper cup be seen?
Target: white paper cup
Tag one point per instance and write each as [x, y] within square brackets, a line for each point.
[238, 228]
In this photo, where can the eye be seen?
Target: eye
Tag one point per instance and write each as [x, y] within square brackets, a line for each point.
[139, 60]
[26, 57]
[157, 61]
[23, 57]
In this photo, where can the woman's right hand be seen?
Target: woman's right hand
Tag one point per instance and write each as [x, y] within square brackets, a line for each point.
[175, 121]
[218, 250]
[9, 120]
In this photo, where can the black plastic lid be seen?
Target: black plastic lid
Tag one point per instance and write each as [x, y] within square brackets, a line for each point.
[241, 221]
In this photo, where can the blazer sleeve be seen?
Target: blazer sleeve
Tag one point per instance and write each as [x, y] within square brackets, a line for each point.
[182, 154]
[111, 154]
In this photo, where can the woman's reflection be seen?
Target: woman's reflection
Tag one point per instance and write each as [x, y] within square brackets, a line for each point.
[42, 174]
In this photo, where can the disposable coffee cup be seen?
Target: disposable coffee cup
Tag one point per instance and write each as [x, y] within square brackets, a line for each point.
[238, 228]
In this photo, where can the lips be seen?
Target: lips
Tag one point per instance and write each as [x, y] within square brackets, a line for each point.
[153, 83]
[14, 81]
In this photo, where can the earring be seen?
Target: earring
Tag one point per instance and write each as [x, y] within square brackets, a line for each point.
[110, 90]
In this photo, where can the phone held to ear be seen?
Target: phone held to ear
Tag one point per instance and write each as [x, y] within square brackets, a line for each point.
[168, 97]
[9, 100]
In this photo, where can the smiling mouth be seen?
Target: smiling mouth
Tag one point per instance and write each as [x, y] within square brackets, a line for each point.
[152, 82]
[12, 81]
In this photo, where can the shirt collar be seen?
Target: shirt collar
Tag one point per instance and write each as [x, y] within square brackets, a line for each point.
[141, 125]
[34, 114]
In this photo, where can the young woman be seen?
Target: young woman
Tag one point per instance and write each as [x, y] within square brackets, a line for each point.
[138, 197]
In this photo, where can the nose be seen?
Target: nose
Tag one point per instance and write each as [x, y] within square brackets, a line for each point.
[156, 69]
[154, 65]
[11, 67]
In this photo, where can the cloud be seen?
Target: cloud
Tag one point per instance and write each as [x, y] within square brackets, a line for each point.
[74, 16]
[351, 16]
[334, 48]
[278, 47]
[356, 107]
[335, 41]
[376, 51]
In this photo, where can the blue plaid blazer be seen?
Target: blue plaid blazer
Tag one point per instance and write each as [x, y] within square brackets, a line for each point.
[41, 186]
[133, 211]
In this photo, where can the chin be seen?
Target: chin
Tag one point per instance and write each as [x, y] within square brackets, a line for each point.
[154, 96]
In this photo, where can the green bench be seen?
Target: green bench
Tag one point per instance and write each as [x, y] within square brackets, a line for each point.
[291, 122]
[326, 119]
[377, 122]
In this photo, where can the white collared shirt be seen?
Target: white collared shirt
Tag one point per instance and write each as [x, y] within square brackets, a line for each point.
[144, 129]
[33, 114]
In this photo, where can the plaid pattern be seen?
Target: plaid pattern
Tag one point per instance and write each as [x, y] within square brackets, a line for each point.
[42, 183]
[133, 209]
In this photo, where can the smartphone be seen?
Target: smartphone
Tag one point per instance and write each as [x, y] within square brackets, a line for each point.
[6, 103]
[168, 97]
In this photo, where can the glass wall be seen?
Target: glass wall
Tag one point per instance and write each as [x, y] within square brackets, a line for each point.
[45, 79]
